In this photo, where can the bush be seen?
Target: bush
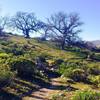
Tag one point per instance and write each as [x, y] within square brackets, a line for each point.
[5, 75]
[86, 95]
[78, 75]
[24, 67]
[5, 43]
[17, 51]
[66, 68]
[96, 57]
[95, 70]
[95, 80]
[45, 55]
[14, 51]
[41, 62]
[41, 58]
[58, 62]
[60, 96]
[4, 55]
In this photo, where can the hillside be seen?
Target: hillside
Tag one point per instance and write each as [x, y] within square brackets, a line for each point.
[96, 42]
[41, 71]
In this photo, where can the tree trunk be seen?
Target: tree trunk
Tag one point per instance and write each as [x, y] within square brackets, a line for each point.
[26, 33]
[63, 42]
[63, 45]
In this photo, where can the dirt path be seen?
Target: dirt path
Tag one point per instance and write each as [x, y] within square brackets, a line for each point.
[45, 93]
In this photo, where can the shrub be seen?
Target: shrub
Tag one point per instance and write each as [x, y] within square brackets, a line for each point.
[14, 51]
[5, 75]
[44, 55]
[95, 80]
[4, 55]
[65, 67]
[58, 62]
[78, 75]
[24, 67]
[41, 62]
[59, 96]
[41, 58]
[95, 70]
[95, 57]
[86, 95]
[5, 43]
[17, 51]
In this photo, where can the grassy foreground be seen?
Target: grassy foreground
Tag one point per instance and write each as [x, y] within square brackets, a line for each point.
[78, 77]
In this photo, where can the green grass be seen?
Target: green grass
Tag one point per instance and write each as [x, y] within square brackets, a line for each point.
[16, 47]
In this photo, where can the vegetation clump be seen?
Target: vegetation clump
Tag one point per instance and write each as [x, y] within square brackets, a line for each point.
[86, 95]
[23, 67]
[6, 75]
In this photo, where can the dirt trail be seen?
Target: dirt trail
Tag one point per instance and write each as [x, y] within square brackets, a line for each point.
[45, 93]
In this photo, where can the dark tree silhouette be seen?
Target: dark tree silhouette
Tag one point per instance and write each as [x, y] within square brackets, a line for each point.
[3, 24]
[64, 28]
[44, 31]
[25, 22]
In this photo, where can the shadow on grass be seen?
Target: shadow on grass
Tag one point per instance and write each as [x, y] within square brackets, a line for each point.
[8, 96]
[25, 88]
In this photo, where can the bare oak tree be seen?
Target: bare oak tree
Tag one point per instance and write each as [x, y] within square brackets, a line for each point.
[25, 22]
[44, 31]
[65, 28]
[3, 24]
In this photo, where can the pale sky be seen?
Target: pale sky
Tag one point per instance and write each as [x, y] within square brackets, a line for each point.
[89, 11]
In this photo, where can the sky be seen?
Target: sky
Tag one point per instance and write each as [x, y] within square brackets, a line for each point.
[89, 11]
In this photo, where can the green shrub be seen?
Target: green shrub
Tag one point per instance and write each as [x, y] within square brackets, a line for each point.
[58, 62]
[78, 75]
[41, 58]
[5, 43]
[41, 62]
[17, 51]
[5, 75]
[59, 96]
[14, 51]
[96, 57]
[95, 80]
[24, 67]
[44, 55]
[86, 95]
[95, 70]
[65, 67]
[4, 55]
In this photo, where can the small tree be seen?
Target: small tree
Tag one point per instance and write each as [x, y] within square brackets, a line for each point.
[25, 22]
[3, 23]
[64, 28]
[45, 32]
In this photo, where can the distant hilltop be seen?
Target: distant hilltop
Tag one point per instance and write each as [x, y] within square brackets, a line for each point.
[96, 43]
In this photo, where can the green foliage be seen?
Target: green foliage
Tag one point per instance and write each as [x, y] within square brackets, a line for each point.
[20, 55]
[15, 51]
[94, 69]
[95, 80]
[4, 55]
[74, 70]
[5, 75]
[24, 67]
[5, 43]
[96, 57]
[86, 95]
[45, 55]
[58, 62]
[72, 64]
[78, 75]
[59, 96]
[64, 68]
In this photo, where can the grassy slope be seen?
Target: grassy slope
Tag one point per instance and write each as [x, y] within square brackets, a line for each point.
[38, 48]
